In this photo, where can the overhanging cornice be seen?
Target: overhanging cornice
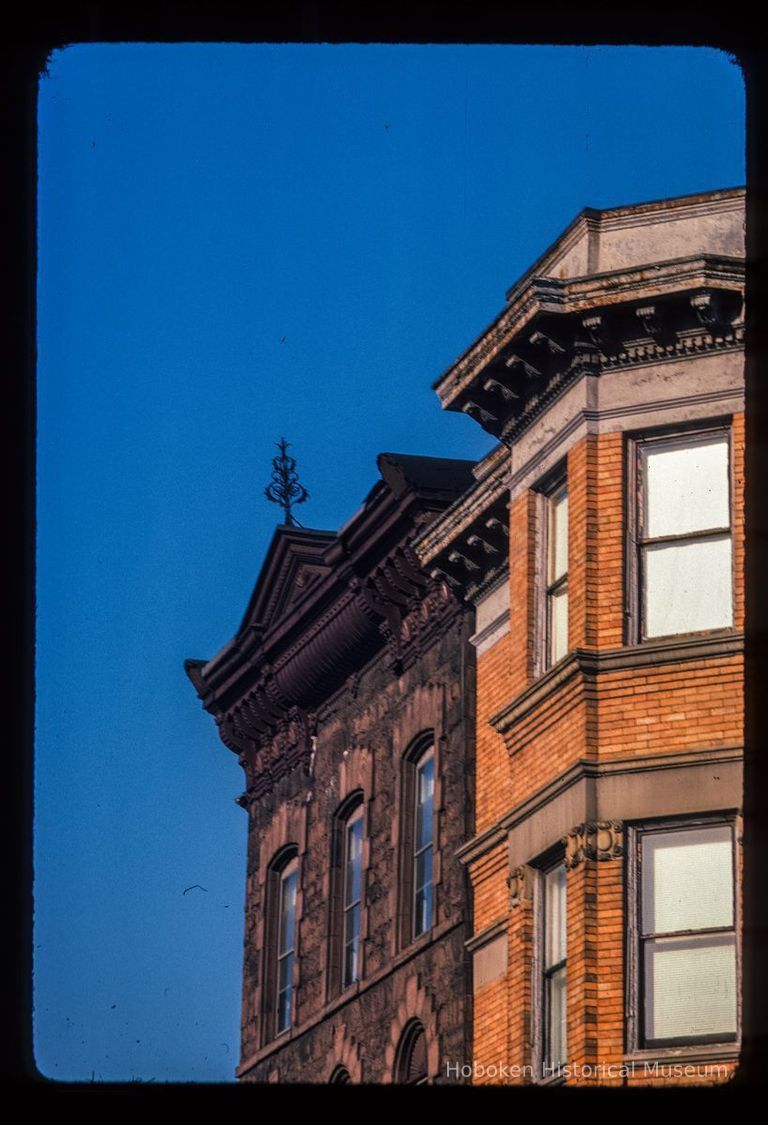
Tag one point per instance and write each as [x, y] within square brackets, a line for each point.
[566, 298]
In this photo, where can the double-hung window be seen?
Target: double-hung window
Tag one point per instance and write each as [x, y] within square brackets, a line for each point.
[346, 895]
[286, 945]
[279, 957]
[556, 582]
[553, 966]
[423, 843]
[352, 897]
[416, 909]
[684, 953]
[683, 538]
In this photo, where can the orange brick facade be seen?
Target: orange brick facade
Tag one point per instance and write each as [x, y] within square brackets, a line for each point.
[575, 759]
[664, 709]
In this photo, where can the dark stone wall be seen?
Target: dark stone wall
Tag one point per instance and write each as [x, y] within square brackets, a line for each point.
[362, 735]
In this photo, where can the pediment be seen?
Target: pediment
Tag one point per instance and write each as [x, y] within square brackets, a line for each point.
[294, 565]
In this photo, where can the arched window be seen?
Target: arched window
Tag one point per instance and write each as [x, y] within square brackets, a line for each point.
[417, 912]
[346, 905]
[411, 1064]
[423, 842]
[341, 1077]
[280, 942]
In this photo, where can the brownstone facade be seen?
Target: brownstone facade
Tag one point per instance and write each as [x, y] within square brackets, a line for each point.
[348, 696]
[605, 855]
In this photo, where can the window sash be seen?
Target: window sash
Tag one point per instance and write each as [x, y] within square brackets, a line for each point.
[555, 1017]
[691, 976]
[716, 503]
[553, 947]
[556, 575]
[705, 608]
[670, 887]
[423, 834]
[352, 897]
[668, 967]
[286, 937]
[557, 622]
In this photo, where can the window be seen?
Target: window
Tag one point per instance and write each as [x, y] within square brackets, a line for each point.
[684, 960]
[422, 853]
[346, 895]
[683, 535]
[411, 1067]
[417, 834]
[553, 964]
[353, 875]
[555, 625]
[280, 943]
[340, 1077]
[286, 944]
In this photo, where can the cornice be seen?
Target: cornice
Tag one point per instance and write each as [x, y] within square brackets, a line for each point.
[464, 513]
[395, 614]
[584, 293]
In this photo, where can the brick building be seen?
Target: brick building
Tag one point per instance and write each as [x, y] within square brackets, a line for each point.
[347, 696]
[604, 857]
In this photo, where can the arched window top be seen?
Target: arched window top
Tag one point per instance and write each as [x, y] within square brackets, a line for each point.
[421, 745]
[411, 1066]
[282, 858]
[351, 805]
[340, 1077]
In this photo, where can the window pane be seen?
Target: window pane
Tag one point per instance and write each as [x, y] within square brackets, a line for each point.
[423, 895]
[688, 587]
[554, 917]
[353, 867]
[558, 625]
[556, 1030]
[687, 488]
[558, 536]
[425, 794]
[351, 943]
[285, 974]
[687, 880]
[287, 911]
[690, 987]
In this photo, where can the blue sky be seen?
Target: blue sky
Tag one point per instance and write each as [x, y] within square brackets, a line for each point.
[238, 242]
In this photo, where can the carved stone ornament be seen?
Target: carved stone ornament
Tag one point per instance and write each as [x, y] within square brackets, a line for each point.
[517, 882]
[603, 839]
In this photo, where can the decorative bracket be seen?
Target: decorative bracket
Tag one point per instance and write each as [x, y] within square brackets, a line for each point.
[648, 316]
[495, 387]
[514, 361]
[597, 840]
[540, 339]
[519, 883]
[709, 310]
